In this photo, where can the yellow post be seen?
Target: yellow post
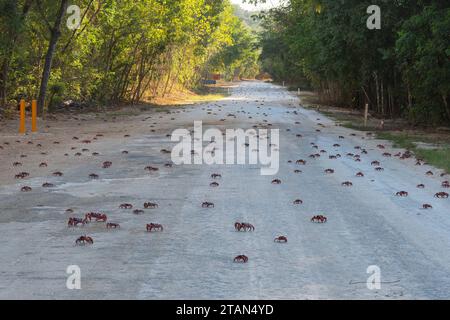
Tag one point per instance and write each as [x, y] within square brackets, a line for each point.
[33, 116]
[22, 116]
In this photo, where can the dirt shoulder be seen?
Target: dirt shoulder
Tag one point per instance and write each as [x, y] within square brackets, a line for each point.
[59, 140]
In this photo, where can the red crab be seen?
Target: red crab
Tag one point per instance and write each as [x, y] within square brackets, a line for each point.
[319, 219]
[101, 217]
[93, 176]
[84, 240]
[154, 226]
[441, 195]
[360, 174]
[216, 176]
[402, 194]
[138, 211]
[329, 171]
[48, 185]
[213, 184]
[106, 164]
[379, 169]
[427, 206]
[73, 222]
[445, 184]
[421, 186]
[207, 204]
[126, 206]
[375, 163]
[150, 205]
[241, 259]
[243, 226]
[150, 168]
[281, 239]
[26, 189]
[43, 165]
[22, 175]
[301, 161]
[58, 174]
[347, 184]
[298, 201]
[276, 181]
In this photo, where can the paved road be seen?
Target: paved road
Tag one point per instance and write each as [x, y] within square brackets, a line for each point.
[193, 257]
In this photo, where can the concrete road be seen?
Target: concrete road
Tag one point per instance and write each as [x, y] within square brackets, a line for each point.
[368, 225]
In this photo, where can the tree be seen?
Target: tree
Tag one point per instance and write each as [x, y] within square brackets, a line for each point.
[123, 51]
[55, 33]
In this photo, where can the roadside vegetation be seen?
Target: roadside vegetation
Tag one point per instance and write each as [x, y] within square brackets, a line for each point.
[402, 70]
[123, 52]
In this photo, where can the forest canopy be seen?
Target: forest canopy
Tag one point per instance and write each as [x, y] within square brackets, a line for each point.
[121, 51]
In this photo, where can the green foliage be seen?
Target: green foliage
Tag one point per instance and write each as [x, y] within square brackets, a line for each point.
[124, 51]
[402, 69]
[240, 58]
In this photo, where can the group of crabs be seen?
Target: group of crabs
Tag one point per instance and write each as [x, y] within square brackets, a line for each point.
[377, 166]
[90, 216]
[101, 217]
[239, 226]
[357, 157]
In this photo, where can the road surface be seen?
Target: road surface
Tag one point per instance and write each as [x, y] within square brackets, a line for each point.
[193, 257]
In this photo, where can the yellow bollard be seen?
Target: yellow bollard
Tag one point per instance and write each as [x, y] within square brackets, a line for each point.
[22, 116]
[33, 116]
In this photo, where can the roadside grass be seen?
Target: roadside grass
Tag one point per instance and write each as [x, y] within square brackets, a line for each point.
[399, 140]
[438, 157]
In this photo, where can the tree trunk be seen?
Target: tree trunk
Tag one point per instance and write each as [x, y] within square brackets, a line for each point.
[3, 82]
[55, 34]
[382, 98]
[447, 107]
